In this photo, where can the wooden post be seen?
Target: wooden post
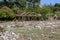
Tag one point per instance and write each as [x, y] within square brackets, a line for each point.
[28, 18]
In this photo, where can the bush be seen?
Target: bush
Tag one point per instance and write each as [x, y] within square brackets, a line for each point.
[57, 12]
[31, 8]
[6, 13]
[17, 10]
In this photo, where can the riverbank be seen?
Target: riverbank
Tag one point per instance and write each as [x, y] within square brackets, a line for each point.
[30, 30]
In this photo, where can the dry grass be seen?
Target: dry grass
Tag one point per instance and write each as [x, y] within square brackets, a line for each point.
[37, 34]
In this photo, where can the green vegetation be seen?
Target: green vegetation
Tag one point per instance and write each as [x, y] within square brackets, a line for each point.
[6, 13]
[20, 6]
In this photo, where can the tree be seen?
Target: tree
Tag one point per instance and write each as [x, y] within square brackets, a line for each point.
[57, 13]
[57, 7]
[11, 3]
[23, 3]
[45, 11]
[1, 3]
[5, 2]
[36, 2]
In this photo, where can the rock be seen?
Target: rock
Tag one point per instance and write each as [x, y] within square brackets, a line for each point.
[1, 38]
[38, 27]
[8, 35]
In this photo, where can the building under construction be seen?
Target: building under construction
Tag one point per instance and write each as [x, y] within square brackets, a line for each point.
[28, 16]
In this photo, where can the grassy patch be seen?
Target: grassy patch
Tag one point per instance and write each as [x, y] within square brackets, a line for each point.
[39, 34]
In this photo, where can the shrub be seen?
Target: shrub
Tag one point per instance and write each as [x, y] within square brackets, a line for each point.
[17, 10]
[57, 12]
[6, 13]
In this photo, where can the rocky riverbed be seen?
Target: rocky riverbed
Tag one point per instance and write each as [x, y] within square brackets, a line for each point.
[31, 24]
[29, 29]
